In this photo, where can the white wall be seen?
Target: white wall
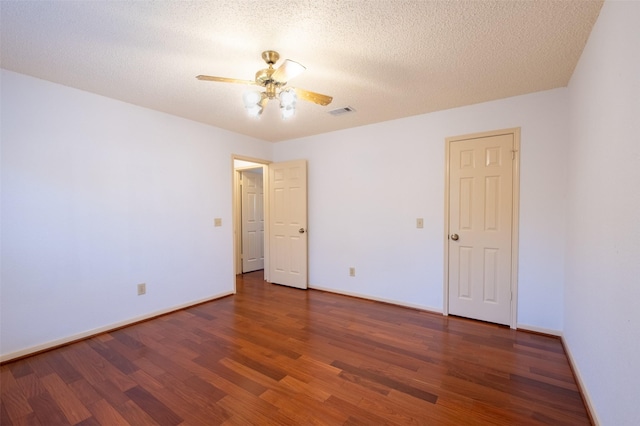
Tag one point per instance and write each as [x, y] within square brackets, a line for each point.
[99, 195]
[368, 185]
[602, 296]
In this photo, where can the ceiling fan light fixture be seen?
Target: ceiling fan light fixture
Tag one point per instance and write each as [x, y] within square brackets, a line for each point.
[288, 98]
[254, 111]
[254, 103]
[251, 99]
[287, 112]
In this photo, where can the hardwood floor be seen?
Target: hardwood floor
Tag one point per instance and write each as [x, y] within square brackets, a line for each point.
[277, 355]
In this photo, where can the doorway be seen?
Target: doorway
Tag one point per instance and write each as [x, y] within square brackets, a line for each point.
[250, 248]
[481, 226]
[284, 213]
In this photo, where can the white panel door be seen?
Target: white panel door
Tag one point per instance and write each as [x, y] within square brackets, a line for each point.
[288, 223]
[480, 227]
[252, 221]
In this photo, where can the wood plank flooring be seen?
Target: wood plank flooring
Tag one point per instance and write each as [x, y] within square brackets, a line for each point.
[273, 355]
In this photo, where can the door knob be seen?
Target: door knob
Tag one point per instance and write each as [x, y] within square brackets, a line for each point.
[301, 230]
[455, 237]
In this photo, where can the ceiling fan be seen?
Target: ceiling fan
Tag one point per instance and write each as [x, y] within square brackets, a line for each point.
[274, 80]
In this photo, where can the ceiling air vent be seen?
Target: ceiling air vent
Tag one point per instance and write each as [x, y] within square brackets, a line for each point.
[342, 111]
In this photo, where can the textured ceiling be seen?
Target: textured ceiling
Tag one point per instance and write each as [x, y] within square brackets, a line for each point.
[385, 58]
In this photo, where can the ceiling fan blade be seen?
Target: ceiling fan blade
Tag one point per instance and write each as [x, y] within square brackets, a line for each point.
[314, 97]
[288, 70]
[224, 79]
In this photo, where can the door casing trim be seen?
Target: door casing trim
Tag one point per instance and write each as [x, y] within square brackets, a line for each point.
[515, 212]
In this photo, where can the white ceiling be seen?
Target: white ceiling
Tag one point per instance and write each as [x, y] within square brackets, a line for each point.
[385, 58]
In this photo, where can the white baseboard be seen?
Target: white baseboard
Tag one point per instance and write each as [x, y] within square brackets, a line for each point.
[540, 330]
[583, 389]
[69, 339]
[378, 299]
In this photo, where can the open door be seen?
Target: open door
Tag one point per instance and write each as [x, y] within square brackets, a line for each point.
[252, 220]
[288, 223]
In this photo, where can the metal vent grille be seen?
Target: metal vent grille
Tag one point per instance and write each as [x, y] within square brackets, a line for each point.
[342, 111]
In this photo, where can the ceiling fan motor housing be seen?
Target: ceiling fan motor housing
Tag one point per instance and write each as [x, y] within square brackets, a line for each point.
[263, 77]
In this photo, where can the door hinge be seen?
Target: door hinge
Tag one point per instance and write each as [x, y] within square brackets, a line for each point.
[513, 154]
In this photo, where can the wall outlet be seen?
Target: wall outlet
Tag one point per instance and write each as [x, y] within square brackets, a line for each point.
[352, 271]
[142, 289]
[419, 223]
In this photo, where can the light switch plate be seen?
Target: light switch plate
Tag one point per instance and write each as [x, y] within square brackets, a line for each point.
[217, 221]
[420, 223]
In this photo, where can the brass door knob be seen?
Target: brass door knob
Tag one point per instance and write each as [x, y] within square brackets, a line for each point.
[455, 237]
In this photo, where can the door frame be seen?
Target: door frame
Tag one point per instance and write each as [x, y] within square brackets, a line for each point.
[515, 225]
[237, 211]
